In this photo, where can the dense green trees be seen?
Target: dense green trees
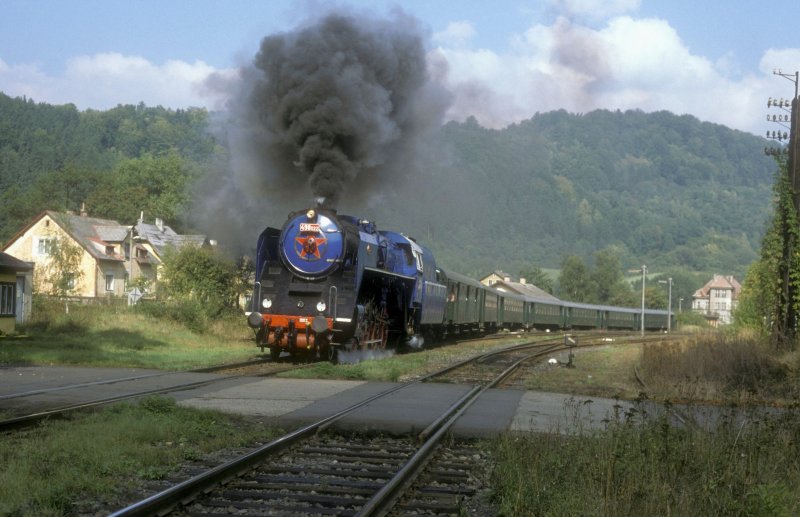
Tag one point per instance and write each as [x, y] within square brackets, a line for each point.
[770, 299]
[119, 162]
[574, 282]
[537, 277]
[660, 189]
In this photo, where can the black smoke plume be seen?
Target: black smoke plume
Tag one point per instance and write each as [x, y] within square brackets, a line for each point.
[335, 97]
[343, 104]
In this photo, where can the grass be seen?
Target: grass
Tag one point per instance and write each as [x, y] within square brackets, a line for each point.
[97, 457]
[721, 368]
[652, 469]
[642, 464]
[104, 336]
[598, 372]
[400, 367]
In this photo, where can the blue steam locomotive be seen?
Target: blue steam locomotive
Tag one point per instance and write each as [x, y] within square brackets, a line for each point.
[327, 282]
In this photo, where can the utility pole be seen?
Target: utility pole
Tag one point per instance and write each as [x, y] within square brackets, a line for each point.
[786, 321]
[669, 303]
[643, 270]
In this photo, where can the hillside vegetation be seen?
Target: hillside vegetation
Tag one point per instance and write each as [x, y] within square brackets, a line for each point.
[658, 189]
[664, 190]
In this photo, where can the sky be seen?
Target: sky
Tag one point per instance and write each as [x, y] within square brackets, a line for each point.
[503, 61]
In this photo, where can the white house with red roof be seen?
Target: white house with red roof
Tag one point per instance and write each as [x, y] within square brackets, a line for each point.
[717, 299]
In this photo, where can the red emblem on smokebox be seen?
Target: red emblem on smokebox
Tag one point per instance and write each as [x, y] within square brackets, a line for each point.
[308, 246]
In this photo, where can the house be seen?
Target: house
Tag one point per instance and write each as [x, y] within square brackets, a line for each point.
[150, 242]
[504, 282]
[78, 255]
[74, 255]
[15, 292]
[494, 277]
[717, 299]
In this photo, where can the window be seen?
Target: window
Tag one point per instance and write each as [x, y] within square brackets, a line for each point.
[70, 281]
[45, 245]
[7, 299]
[109, 281]
[109, 250]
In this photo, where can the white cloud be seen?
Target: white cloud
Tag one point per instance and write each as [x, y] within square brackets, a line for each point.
[456, 34]
[627, 63]
[594, 9]
[105, 80]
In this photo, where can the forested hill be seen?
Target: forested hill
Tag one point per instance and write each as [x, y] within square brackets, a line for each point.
[659, 189]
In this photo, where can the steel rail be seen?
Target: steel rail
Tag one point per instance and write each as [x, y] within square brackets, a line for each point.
[387, 496]
[33, 418]
[209, 369]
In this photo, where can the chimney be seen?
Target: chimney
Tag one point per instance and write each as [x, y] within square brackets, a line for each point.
[160, 224]
[522, 281]
[506, 278]
[84, 213]
[141, 216]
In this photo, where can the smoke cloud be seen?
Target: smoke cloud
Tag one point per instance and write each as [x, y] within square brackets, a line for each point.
[335, 100]
[342, 108]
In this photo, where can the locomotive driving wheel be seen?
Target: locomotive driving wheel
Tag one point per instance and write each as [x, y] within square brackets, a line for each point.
[373, 329]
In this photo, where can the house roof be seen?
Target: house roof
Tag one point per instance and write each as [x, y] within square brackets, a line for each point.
[719, 282]
[95, 234]
[162, 236]
[525, 289]
[89, 233]
[12, 264]
[115, 233]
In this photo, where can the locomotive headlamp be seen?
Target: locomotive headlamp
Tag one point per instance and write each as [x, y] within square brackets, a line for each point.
[310, 214]
[266, 303]
[321, 306]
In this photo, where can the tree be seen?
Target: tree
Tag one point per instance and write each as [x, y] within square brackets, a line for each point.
[158, 185]
[199, 275]
[574, 282]
[754, 297]
[777, 288]
[534, 275]
[607, 277]
[61, 273]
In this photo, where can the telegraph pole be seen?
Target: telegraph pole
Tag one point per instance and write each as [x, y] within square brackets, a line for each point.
[786, 321]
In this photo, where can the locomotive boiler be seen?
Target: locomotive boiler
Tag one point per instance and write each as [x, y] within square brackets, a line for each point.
[327, 282]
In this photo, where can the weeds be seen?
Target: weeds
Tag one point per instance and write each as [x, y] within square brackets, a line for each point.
[117, 335]
[49, 470]
[718, 367]
[645, 466]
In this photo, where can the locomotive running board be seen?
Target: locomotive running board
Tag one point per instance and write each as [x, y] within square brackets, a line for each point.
[389, 273]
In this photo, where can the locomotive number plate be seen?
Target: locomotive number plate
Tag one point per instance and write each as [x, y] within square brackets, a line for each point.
[309, 227]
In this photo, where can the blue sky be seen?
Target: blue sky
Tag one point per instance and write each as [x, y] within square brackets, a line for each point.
[504, 59]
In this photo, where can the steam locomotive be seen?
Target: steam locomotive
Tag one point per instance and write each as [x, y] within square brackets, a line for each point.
[327, 282]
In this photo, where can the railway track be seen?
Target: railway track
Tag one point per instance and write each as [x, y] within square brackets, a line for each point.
[257, 368]
[311, 472]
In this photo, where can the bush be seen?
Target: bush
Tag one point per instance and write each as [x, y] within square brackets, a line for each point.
[716, 365]
[190, 313]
